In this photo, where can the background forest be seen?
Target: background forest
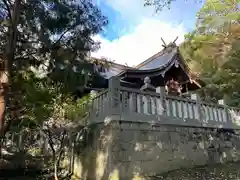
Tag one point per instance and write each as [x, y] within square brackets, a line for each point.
[213, 50]
[44, 48]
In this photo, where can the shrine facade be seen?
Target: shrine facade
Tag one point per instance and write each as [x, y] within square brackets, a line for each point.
[165, 68]
[161, 87]
[144, 125]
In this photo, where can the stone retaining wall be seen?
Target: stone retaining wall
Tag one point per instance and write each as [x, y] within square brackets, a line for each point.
[128, 150]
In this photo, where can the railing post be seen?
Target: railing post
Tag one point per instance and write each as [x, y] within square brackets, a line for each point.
[161, 91]
[228, 119]
[114, 95]
[221, 102]
[196, 98]
[147, 87]
[93, 93]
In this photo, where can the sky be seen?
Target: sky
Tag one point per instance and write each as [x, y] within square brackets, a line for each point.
[134, 32]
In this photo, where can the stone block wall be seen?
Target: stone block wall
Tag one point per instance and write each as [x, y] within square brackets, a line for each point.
[128, 150]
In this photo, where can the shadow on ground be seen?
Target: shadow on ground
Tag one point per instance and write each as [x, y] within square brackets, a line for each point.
[229, 171]
[22, 166]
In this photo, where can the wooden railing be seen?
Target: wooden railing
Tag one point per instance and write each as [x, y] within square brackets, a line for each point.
[136, 105]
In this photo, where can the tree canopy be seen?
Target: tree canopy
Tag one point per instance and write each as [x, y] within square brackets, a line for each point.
[44, 51]
[159, 5]
[212, 49]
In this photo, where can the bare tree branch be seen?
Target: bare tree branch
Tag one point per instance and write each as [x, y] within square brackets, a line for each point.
[63, 34]
[9, 10]
[61, 148]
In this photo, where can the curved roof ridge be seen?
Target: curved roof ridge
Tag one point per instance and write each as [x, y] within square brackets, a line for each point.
[112, 62]
[150, 59]
[165, 50]
[153, 69]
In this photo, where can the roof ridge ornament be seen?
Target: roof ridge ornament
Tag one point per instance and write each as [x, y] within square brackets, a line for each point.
[164, 44]
[171, 44]
[175, 40]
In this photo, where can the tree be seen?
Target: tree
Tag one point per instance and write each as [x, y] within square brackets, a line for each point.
[58, 129]
[51, 37]
[215, 16]
[212, 51]
[159, 5]
[56, 115]
[10, 44]
[210, 48]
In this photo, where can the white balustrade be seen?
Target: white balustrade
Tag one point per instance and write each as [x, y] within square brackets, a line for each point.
[129, 101]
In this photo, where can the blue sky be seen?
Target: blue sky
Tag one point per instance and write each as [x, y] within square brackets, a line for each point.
[134, 32]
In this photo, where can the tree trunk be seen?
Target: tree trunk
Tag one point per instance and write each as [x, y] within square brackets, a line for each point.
[2, 110]
[6, 71]
[55, 171]
[54, 159]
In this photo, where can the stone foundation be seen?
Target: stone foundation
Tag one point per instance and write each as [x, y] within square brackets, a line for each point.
[131, 150]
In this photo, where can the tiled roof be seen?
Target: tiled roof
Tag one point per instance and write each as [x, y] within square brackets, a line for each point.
[113, 69]
[164, 55]
[159, 61]
[162, 60]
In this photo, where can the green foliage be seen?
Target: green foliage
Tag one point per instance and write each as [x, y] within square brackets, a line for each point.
[49, 64]
[212, 50]
[79, 109]
[55, 36]
[35, 151]
[159, 5]
[41, 101]
[215, 14]
[51, 59]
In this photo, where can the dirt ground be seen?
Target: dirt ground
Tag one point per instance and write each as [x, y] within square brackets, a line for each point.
[230, 171]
